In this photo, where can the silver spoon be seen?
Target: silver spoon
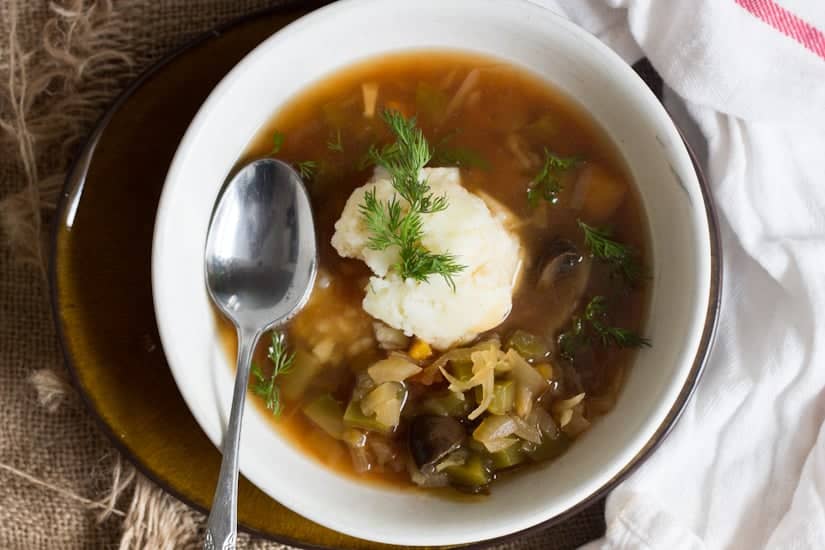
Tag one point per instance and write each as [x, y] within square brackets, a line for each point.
[260, 261]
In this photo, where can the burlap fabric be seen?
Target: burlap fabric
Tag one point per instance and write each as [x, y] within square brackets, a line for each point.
[61, 484]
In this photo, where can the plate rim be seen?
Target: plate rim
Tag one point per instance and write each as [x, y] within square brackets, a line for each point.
[72, 188]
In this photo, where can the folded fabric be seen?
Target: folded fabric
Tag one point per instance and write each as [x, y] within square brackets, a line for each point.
[745, 466]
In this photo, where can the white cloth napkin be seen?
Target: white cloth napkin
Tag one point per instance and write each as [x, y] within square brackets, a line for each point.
[745, 466]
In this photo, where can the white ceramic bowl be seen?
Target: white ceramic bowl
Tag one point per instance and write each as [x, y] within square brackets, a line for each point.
[683, 298]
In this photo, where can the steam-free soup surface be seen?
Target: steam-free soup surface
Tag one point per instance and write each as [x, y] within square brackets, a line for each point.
[577, 316]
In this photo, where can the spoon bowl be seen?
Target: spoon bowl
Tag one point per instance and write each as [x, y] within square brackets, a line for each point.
[260, 262]
[260, 257]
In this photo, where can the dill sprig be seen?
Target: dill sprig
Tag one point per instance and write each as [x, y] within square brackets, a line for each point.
[335, 143]
[387, 222]
[594, 325]
[307, 169]
[621, 257]
[265, 386]
[547, 183]
[596, 315]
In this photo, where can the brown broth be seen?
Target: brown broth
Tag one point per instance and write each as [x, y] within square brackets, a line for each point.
[510, 102]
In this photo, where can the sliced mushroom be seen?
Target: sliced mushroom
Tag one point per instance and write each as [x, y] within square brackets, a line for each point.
[434, 437]
[564, 274]
[561, 259]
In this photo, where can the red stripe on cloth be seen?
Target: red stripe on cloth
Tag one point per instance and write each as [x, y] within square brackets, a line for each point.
[787, 23]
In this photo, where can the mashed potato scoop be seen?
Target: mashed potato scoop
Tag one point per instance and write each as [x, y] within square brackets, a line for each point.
[432, 310]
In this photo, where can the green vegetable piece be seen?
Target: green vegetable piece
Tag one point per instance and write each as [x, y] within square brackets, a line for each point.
[305, 366]
[476, 472]
[528, 345]
[463, 370]
[456, 155]
[550, 447]
[278, 139]
[429, 100]
[543, 128]
[327, 414]
[462, 157]
[447, 404]
[354, 417]
[476, 446]
[504, 396]
[507, 458]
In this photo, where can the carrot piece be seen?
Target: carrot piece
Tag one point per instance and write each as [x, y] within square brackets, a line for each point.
[420, 350]
[601, 193]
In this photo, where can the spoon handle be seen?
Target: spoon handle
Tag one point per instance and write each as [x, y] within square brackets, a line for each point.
[221, 527]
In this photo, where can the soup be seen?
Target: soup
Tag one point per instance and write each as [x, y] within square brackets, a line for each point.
[483, 258]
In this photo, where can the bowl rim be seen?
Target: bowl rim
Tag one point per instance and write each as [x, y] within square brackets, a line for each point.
[73, 183]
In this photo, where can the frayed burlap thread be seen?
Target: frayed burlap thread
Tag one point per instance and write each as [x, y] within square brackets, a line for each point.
[157, 520]
[53, 91]
[52, 387]
[54, 465]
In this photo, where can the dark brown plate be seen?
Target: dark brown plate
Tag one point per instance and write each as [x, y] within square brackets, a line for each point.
[101, 291]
